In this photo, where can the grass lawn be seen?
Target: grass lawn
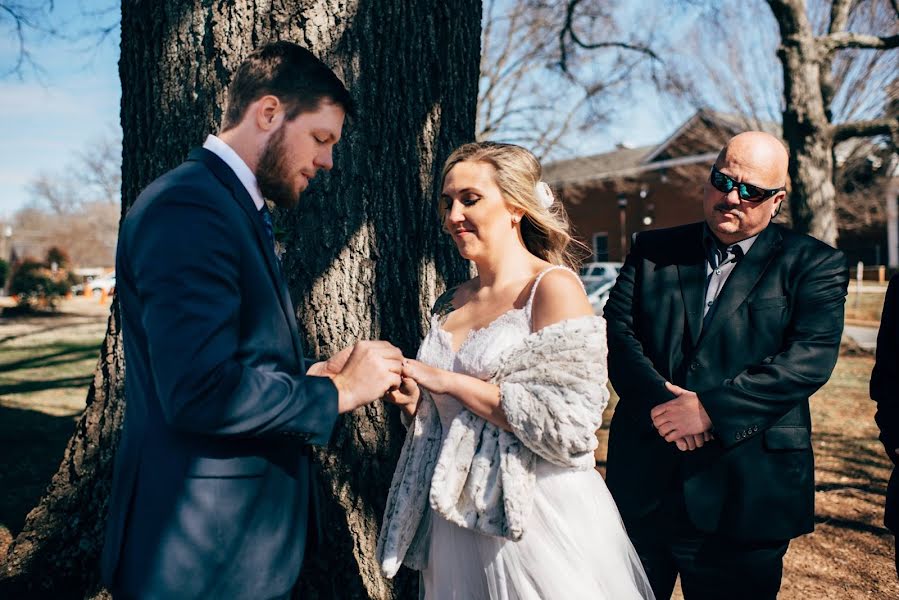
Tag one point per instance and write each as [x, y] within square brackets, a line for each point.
[866, 306]
[46, 366]
[47, 363]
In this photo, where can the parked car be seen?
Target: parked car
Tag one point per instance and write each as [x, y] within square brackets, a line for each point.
[600, 271]
[97, 285]
[598, 292]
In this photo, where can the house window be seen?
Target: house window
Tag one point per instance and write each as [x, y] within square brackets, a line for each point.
[601, 247]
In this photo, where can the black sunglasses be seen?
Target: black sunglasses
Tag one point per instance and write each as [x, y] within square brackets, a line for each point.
[746, 191]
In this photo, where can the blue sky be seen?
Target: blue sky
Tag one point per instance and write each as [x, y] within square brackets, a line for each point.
[48, 117]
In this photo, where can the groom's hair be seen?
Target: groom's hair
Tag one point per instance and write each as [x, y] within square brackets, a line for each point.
[293, 74]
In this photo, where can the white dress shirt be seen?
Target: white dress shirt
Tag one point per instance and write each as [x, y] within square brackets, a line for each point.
[232, 159]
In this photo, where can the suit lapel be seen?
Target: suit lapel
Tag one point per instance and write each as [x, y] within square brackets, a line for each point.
[744, 277]
[224, 174]
[692, 275]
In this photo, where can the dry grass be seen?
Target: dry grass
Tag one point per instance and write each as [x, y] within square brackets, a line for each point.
[47, 363]
[850, 553]
[866, 306]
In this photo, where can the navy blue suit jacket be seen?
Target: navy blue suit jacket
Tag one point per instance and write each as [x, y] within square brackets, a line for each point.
[772, 341]
[211, 491]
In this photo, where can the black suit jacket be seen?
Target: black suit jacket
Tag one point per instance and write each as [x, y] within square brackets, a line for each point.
[211, 491]
[771, 343]
[885, 391]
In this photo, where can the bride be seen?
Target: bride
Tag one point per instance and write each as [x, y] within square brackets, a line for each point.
[495, 495]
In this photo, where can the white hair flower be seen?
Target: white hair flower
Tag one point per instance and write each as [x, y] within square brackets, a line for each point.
[544, 194]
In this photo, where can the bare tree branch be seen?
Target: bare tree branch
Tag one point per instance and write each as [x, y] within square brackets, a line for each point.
[845, 39]
[839, 15]
[568, 32]
[870, 128]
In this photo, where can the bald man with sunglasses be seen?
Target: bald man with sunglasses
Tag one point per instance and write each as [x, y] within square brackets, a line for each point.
[718, 334]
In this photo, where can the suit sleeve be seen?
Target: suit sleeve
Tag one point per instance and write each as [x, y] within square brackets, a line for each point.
[632, 374]
[885, 376]
[763, 393]
[186, 268]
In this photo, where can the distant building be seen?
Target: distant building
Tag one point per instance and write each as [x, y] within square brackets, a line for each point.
[610, 196]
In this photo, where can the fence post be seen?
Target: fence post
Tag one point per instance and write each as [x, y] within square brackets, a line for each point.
[859, 275]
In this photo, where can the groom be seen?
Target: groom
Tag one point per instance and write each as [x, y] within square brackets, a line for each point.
[211, 491]
[718, 334]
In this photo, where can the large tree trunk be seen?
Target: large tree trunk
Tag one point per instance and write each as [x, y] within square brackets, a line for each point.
[806, 127]
[365, 257]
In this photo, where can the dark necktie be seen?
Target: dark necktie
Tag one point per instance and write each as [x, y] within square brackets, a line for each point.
[718, 256]
[269, 228]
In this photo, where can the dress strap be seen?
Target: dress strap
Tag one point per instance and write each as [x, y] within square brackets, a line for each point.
[540, 276]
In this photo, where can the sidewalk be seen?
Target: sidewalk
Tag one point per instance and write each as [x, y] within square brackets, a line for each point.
[863, 335]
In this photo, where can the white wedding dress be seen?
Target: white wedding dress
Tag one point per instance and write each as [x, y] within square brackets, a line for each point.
[574, 547]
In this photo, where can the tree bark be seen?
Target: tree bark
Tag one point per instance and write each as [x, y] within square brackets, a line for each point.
[806, 127]
[364, 254]
[807, 121]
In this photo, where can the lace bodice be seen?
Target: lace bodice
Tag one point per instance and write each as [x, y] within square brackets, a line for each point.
[479, 352]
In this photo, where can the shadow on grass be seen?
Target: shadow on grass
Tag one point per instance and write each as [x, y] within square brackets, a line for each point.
[851, 525]
[72, 320]
[62, 354]
[25, 387]
[31, 448]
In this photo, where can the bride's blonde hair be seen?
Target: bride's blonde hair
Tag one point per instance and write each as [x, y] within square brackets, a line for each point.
[545, 230]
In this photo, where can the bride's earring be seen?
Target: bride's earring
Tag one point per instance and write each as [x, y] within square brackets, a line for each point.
[516, 218]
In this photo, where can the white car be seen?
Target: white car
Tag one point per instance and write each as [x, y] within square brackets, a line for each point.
[597, 271]
[598, 292]
[97, 286]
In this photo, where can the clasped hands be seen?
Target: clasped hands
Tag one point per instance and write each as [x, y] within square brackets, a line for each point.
[682, 420]
[370, 370]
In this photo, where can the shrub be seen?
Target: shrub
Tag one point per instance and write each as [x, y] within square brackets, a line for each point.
[36, 285]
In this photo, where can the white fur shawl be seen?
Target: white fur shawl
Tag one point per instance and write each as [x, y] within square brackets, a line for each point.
[553, 391]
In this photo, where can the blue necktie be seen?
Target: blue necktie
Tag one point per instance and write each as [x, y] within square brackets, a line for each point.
[269, 228]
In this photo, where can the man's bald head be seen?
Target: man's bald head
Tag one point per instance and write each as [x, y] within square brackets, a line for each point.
[759, 152]
[754, 158]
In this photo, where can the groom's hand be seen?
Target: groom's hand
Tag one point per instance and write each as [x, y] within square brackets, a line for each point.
[370, 370]
[681, 417]
[332, 366]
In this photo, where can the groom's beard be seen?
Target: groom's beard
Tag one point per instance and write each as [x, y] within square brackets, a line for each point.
[273, 173]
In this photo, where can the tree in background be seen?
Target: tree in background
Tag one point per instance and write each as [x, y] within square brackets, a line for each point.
[364, 256]
[4, 272]
[553, 73]
[824, 70]
[77, 207]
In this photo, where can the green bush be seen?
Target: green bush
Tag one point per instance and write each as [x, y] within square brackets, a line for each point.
[4, 272]
[36, 285]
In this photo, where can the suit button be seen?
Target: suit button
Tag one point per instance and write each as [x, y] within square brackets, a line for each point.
[694, 365]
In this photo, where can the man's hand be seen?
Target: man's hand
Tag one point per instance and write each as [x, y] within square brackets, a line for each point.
[370, 370]
[681, 417]
[692, 442]
[332, 366]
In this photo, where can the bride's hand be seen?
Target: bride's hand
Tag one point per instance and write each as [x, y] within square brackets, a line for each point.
[406, 396]
[428, 377]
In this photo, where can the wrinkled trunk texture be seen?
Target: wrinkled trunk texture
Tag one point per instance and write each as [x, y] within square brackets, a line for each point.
[806, 129]
[365, 256]
[806, 125]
